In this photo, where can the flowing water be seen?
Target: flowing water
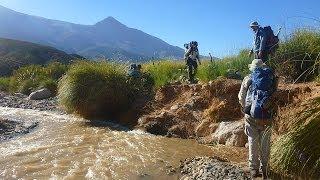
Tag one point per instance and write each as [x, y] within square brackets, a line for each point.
[66, 147]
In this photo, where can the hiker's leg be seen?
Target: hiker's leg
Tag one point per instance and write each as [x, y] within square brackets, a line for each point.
[195, 68]
[190, 69]
[253, 141]
[265, 148]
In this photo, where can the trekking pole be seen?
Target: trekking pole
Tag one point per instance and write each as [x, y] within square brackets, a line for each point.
[279, 31]
[210, 57]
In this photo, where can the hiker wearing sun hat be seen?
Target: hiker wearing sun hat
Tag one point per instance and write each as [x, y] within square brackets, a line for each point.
[260, 42]
[254, 96]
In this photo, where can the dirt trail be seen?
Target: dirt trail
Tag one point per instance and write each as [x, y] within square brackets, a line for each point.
[194, 111]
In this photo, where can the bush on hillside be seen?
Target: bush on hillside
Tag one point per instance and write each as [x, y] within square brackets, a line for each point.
[298, 56]
[93, 90]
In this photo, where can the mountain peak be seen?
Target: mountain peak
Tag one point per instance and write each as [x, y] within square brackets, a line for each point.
[111, 21]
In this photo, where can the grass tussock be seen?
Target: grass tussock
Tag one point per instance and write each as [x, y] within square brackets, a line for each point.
[166, 72]
[33, 77]
[297, 153]
[100, 90]
[298, 56]
[4, 84]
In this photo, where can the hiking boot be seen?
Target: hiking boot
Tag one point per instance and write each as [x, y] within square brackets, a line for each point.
[254, 173]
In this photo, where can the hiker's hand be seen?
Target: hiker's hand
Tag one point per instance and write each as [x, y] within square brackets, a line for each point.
[260, 54]
[250, 52]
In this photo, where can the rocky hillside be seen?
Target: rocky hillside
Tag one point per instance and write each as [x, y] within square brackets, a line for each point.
[14, 54]
[106, 39]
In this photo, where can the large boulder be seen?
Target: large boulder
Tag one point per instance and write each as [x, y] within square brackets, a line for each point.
[231, 134]
[40, 94]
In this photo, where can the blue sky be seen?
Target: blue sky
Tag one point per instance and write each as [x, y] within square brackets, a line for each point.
[220, 26]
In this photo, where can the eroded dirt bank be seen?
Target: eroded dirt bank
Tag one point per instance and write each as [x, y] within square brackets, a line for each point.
[196, 111]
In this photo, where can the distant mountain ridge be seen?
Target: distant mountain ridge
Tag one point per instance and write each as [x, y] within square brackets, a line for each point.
[106, 39]
[15, 54]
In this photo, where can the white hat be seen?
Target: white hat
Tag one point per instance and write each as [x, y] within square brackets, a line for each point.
[255, 64]
[254, 24]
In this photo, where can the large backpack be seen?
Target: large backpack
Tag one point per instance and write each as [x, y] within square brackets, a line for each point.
[272, 39]
[263, 86]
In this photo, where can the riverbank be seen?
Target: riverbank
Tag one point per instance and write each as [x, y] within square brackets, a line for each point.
[201, 110]
[15, 128]
[187, 112]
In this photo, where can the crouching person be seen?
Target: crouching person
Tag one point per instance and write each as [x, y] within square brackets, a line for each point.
[254, 97]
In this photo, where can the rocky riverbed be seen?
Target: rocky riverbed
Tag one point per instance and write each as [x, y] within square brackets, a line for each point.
[21, 101]
[211, 168]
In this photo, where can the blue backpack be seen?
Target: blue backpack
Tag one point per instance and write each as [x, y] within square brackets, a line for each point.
[263, 85]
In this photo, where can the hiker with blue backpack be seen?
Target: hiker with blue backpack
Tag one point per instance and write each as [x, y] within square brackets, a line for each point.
[255, 98]
[265, 41]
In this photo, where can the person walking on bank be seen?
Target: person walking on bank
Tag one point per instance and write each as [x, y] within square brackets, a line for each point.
[254, 96]
[265, 41]
[260, 42]
[192, 57]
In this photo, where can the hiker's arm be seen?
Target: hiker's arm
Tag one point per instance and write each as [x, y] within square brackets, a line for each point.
[187, 54]
[263, 42]
[243, 90]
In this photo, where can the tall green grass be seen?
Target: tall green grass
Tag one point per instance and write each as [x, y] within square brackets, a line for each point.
[164, 72]
[298, 56]
[212, 70]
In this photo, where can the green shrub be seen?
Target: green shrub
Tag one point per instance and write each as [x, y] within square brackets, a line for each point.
[298, 152]
[165, 72]
[95, 90]
[4, 84]
[298, 56]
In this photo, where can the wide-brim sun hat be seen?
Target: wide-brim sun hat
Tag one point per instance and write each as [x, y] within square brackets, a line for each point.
[256, 63]
[254, 24]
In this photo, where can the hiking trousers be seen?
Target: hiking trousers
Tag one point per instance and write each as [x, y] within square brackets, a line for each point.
[259, 144]
[192, 69]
